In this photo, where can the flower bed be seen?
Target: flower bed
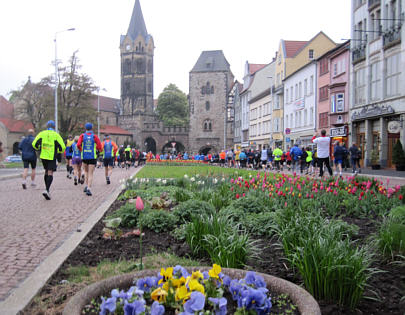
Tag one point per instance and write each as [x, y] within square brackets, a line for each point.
[183, 290]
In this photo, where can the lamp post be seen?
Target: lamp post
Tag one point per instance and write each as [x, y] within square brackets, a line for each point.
[98, 111]
[57, 78]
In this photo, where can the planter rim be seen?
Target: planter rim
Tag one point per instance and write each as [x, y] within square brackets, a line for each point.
[304, 301]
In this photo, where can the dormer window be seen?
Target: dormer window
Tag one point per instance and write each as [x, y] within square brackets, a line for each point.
[311, 54]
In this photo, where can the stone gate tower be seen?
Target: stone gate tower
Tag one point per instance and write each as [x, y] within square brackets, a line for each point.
[137, 50]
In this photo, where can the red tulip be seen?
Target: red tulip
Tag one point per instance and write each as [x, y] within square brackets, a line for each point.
[139, 204]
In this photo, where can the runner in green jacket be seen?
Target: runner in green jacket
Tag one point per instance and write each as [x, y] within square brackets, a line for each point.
[50, 143]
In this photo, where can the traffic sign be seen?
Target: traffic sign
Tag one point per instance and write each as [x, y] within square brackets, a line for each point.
[287, 139]
[287, 131]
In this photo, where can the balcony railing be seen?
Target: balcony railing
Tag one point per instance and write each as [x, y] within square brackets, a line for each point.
[373, 3]
[392, 36]
[358, 53]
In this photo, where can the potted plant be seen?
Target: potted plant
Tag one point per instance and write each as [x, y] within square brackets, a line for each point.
[375, 160]
[398, 156]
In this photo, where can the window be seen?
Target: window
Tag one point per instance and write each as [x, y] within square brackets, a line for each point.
[291, 121]
[291, 94]
[278, 79]
[323, 93]
[393, 72]
[286, 96]
[360, 86]
[335, 69]
[311, 54]
[127, 66]
[207, 106]
[300, 118]
[311, 115]
[375, 81]
[296, 91]
[323, 66]
[323, 120]
[340, 102]
[300, 90]
[286, 121]
[296, 119]
[305, 117]
[305, 87]
[277, 124]
[277, 102]
[207, 125]
[311, 85]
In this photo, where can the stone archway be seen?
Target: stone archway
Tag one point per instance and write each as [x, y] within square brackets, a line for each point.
[150, 145]
[178, 147]
[207, 149]
[15, 148]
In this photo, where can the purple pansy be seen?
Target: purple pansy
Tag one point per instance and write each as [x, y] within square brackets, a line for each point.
[157, 309]
[108, 305]
[134, 308]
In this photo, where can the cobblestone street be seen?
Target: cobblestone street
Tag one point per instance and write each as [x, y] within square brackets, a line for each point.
[32, 228]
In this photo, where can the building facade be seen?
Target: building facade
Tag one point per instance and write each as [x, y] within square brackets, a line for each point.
[377, 77]
[300, 98]
[210, 80]
[260, 108]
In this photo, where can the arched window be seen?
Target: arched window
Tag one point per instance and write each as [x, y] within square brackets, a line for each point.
[212, 89]
[203, 90]
[207, 105]
[207, 125]
[208, 88]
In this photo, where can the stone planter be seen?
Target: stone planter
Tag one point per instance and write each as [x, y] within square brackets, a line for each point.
[305, 303]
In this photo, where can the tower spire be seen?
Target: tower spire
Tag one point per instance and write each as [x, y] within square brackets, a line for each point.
[137, 25]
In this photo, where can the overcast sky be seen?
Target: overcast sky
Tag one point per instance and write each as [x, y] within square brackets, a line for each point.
[246, 30]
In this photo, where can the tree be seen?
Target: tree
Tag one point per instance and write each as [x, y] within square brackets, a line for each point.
[35, 101]
[31, 102]
[172, 106]
[75, 94]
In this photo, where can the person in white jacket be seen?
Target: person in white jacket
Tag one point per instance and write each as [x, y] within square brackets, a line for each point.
[323, 147]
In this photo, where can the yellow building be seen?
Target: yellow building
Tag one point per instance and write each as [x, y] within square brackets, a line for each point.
[291, 56]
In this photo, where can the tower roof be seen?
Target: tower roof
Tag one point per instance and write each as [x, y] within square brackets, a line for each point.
[137, 25]
[213, 60]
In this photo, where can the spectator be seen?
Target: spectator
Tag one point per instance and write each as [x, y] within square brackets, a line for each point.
[322, 148]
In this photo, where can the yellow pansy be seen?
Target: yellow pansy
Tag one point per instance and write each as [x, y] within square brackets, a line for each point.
[194, 285]
[166, 273]
[197, 275]
[215, 271]
[182, 294]
[159, 295]
[178, 282]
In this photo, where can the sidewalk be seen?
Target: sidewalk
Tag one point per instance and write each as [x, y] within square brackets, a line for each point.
[38, 235]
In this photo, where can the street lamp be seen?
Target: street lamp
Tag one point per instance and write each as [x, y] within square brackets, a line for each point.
[57, 78]
[98, 110]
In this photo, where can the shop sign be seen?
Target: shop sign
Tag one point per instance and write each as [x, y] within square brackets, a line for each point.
[338, 132]
[394, 126]
[372, 111]
[299, 104]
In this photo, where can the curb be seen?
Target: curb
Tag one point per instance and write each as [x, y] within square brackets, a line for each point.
[26, 291]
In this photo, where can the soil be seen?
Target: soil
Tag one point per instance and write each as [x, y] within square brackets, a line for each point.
[386, 288]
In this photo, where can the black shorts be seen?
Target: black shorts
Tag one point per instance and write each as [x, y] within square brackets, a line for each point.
[108, 162]
[68, 157]
[90, 162]
[27, 163]
[49, 165]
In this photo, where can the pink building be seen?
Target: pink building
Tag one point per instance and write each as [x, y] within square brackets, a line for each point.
[333, 92]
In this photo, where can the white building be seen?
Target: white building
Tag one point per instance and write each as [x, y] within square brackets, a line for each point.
[300, 106]
[260, 107]
[377, 77]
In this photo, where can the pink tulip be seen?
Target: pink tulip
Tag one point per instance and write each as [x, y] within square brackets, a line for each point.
[139, 204]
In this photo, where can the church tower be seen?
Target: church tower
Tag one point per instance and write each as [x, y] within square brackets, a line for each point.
[137, 50]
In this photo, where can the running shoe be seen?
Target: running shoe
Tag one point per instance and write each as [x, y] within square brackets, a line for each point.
[24, 185]
[108, 181]
[82, 180]
[33, 185]
[47, 195]
[88, 192]
[75, 181]
[85, 189]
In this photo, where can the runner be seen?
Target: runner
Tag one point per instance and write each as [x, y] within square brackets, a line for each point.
[121, 152]
[278, 153]
[51, 144]
[128, 156]
[110, 149]
[76, 162]
[29, 157]
[68, 156]
[91, 143]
